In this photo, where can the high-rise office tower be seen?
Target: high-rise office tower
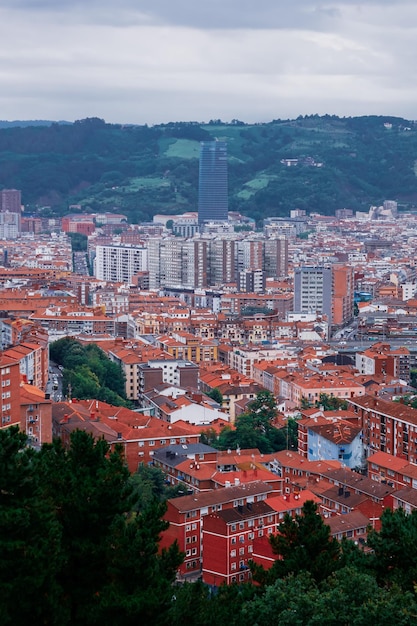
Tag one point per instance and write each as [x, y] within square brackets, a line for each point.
[212, 184]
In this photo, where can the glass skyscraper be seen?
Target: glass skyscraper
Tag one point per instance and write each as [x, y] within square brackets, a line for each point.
[212, 184]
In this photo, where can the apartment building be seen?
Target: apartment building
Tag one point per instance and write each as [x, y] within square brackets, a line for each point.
[392, 470]
[381, 359]
[118, 264]
[35, 415]
[227, 540]
[387, 427]
[10, 391]
[140, 436]
[186, 514]
[313, 290]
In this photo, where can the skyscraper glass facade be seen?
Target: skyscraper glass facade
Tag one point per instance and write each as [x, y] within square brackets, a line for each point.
[213, 189]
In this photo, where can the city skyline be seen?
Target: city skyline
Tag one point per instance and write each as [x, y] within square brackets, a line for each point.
[182, 61]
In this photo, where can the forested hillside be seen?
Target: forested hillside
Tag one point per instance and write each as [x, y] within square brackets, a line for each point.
[141, 170]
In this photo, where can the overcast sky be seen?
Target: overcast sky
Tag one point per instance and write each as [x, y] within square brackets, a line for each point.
[151, 61]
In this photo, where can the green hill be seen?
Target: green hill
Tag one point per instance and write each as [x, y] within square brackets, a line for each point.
[141, 170]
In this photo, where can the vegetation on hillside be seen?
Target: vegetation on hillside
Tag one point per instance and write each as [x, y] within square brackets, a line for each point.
[141, 170]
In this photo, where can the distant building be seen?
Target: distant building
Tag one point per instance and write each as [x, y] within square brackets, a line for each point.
[213, 185]
[120, 263]
[9, 225]
[11, 200]
[313, 290]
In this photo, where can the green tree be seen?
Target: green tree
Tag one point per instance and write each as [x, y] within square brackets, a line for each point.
[263, 409]
[347, 598]
[301, 544]
[30, 539]
[395, 549]
[216, 395]
[110, 559]
[78, 242]
[331, 403]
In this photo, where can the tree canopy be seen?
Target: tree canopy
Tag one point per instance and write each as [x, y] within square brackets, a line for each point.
[88, 372]
[72, 549]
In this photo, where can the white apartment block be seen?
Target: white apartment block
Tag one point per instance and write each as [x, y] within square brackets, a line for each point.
[119, 263]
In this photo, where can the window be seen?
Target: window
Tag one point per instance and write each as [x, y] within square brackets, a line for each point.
[233, 566]
[241, 551]
[233, 541]
[233, 528]
[188, 553]
[250, 549]
[232, 554]
[152, 442]
[194, 551]
[187, 528]
[241, 525]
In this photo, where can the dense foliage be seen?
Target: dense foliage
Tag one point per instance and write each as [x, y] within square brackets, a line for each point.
[71, 549]
[255, 428]
[79, 545]
[88, 373]
[141, 170]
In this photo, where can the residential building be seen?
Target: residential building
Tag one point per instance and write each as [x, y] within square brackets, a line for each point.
[342, 294]
[11, 201]
[387, 426]
[186, 514]
[10, 391]
[227, 541]
[120, 263]
[313, 290]
[276, 257]
[140, 435]
[35, 415]
[338, 440]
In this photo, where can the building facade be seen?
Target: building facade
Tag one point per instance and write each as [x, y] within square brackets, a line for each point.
[120, 263]
[313, 290]
[213, 183]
